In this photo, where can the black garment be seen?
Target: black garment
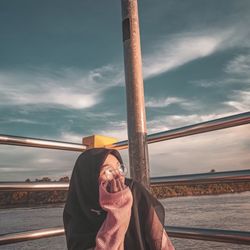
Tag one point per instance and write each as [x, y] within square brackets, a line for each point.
[81, 216]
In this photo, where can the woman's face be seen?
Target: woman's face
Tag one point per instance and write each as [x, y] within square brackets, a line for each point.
[110, 169]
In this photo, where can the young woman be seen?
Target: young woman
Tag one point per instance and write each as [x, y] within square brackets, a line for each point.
[106, 211]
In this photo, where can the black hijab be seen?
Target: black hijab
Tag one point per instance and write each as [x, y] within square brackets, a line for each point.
[83, 215]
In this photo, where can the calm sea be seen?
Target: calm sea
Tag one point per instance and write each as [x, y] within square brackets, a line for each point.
[230, 211]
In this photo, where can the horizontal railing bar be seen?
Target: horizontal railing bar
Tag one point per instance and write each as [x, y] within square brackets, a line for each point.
[221, 123]
[204, 178]
[33, 186]
[189, 179]
[217, 235]
[40, 143]
[6, 239]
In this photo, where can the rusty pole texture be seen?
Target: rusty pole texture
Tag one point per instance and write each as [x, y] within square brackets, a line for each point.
[136, 117]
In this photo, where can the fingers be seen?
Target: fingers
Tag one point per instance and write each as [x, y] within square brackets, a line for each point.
[116, 185]
[122, 180]
[119, 185]
[108, 187]
[113, 187]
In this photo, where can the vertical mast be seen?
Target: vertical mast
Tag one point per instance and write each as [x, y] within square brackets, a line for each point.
[136, 117]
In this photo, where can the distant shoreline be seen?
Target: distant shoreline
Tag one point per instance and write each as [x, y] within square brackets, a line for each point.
[16, 199]
[162, 191]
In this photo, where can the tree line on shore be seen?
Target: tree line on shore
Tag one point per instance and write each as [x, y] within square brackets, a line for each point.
[161, 191]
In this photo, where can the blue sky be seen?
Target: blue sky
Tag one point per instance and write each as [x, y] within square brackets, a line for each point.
[62, 78]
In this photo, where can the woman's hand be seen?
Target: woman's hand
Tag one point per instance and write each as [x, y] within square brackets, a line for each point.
[114, 195]
[116, 185]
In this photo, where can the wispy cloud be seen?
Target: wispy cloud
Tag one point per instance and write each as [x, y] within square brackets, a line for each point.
[222, 150]
[180, 49]
[21, 121]
[237, 71]
[20, 163]
[159, 102]
[240, 100]
[178, 156]
[71, 137]
[165, 102]
[74, 89]
[117, 129]
[67, 88]
[176, 50]
[161, 122]
[186, 155]
[240, 66]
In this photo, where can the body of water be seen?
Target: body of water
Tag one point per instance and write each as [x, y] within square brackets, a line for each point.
[230, 211]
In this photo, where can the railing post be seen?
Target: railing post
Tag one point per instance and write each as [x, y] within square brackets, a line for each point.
[136, 117]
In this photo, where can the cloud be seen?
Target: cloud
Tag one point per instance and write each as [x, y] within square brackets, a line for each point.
[180, 49]
[20, 163]
[75, 89]
[237, 71]
[18, 169]
[240, 100]
[24, 121]
[176, 50]
[165, 102]
[100, 115]
[44, 160]
[160, 123]
[71, 137]
[221, 82]
[159, 102]
[240, 65]
[67, 88]
[223, 150]
[117, 129]
[167, 122]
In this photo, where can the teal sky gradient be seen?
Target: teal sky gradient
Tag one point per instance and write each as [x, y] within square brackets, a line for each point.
[62, 78]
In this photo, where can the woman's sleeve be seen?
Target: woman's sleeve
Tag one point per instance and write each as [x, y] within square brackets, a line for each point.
[118, 207]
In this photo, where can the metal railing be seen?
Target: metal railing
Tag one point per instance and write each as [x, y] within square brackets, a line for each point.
[228, 236]
[10, 238]
[33, 186]
[206, 178]
[189, 179]
[221, 123]
[40, 143]
[180, 232]
[218, 235]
